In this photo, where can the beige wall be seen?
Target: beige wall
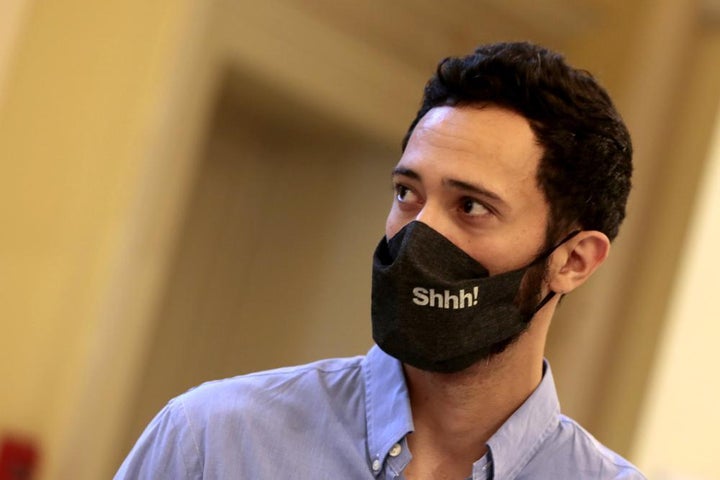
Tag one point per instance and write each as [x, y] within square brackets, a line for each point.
[677, 436]
[271, 267]
[85, 105]
[12, 19]
[112, 114]
[667, 80]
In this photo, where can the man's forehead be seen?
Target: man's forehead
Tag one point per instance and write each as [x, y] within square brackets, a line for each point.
[494, 136]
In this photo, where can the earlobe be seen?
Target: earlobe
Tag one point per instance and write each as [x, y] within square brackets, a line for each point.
[575, 261]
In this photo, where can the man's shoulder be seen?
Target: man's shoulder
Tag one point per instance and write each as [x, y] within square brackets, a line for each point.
[259, 425]
[277, 387]
[573, 448]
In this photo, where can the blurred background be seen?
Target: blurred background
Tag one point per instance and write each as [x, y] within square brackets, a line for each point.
[192, 189]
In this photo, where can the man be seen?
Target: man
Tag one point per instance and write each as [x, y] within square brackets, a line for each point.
[512, 183]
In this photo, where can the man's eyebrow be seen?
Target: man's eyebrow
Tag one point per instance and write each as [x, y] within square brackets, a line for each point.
[472, 188]
[406, 172]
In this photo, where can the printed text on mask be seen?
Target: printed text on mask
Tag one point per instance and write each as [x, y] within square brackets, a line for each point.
[430, 298]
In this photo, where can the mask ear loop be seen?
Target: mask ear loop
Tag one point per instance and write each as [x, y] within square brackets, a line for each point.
[542, 303]
[543, 256]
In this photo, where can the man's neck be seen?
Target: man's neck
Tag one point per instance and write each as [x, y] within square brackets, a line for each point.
[456, 414]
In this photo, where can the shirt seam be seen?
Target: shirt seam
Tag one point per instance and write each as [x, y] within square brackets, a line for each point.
[290, 371]
[192, 437]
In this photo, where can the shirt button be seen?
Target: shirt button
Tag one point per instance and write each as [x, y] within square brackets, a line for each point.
[376, 465]
[395, 450]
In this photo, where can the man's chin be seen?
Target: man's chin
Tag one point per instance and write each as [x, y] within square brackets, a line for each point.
[492, 356]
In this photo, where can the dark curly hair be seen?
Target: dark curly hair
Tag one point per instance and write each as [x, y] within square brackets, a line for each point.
[587, 162]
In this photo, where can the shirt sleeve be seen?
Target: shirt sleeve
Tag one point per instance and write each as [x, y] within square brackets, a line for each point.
[167, 449]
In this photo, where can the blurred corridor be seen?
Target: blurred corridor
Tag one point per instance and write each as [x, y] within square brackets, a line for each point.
[193, 189]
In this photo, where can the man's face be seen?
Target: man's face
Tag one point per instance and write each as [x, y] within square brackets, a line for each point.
[470, 173]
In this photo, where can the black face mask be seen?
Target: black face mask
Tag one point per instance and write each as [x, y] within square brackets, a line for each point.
[434, 307]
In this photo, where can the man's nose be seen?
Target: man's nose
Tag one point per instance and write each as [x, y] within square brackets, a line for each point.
[436, 218]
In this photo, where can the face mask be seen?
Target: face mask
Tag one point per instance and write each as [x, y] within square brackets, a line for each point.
[434, 307]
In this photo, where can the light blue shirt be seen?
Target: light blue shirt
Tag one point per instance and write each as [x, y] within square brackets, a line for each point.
[346, 419]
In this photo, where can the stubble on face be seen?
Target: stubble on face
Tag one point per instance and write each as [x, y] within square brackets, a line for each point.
[529, 295]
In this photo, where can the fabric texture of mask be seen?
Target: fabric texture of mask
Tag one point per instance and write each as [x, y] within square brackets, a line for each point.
[436, 308]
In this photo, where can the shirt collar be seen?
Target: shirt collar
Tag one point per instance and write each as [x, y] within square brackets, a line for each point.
[519, 438]
[389, 418]
[387, 404]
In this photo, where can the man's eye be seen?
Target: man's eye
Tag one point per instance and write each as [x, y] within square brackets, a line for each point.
[404, 194]
[474, 208]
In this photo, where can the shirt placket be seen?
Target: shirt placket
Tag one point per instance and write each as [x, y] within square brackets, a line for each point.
[482, 469]
[396, 460]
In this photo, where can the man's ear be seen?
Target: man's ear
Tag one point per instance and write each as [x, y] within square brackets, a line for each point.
[574, 261]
